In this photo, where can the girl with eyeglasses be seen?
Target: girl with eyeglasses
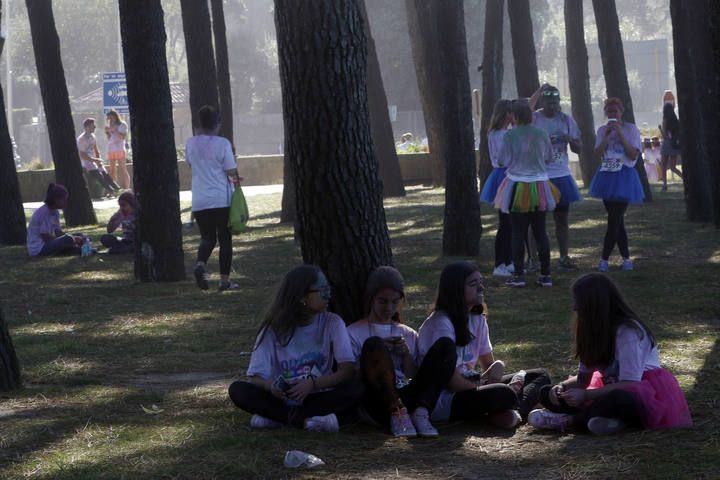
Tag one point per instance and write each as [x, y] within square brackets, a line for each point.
[400, 393]
[301, 370]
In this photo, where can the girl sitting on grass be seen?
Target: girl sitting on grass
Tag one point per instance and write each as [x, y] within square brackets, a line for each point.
[44, 235]
[459, 314]
[619, 381]
[125, 219]
[386, 351]
[291, 378]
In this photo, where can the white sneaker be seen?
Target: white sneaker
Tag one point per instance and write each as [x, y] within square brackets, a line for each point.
[627, 264]
[421, 419]
[401, 425]
[542, 418]
[501, 271]
[325, 423]
[260, 422]
[604, 425]
[510, 268]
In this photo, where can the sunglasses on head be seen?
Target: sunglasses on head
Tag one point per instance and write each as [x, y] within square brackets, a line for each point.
[551, 93]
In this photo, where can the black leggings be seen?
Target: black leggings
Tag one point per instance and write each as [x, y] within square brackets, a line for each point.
[341, 400]
[213, 224]
[378, 373]
[615, 232]
[503, 240]
[117, 245]
[616, 404]
[104, 179]
[529, 396]
[520, 224]
[474, 405]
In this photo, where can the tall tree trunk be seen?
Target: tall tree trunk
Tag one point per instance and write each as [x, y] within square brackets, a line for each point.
[223, 70]
[158, 253]
[12, 215]
[9, 367]
[380, 125]
[447, 93]
[614, 70]
[523, 47]
[51, 76]
[323, 74]
[579, 80]
[693, 51]
[423, 41]
[202, 75]
[492, 77]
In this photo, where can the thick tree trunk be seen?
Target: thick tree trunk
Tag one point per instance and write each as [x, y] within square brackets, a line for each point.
[159, 253]
[579, 80]
[223, 70]
[380, 125]
[614, 70]
[323, 72]
[523, 47]
[9, 366]
[202, 75]
[288, 207]
[492, 76]
[428, 70]
[51, 76]
[692, 50]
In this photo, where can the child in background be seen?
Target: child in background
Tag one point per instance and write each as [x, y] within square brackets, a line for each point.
[619, 381]
[44, 235]
[652, 160]
[386, 351]
[125, 219]
[302, 367]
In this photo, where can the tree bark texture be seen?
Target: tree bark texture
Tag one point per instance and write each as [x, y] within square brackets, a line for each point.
[202, 75]
[322, 51]
[579, 80]
[692, 39]
[380, 125]
[492, 77]
[523, 47]
[223, 70]
[615, 71]
[428, 70]
[51, 76]
[159, 253]
[9, 367]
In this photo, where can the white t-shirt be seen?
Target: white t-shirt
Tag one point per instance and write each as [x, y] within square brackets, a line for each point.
[86, 144]
[438, 325]
[560, 124]
[615, 152]
[495, 140]
[311, 351]
[526, 150]
[361, 330]
[43, 221]
[634, 355]
[210, 157]
[116, 142]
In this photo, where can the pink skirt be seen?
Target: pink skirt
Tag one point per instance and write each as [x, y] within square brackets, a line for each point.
[662, 401]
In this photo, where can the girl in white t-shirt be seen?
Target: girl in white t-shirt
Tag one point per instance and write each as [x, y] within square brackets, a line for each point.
[619, 381]
[458, 314]
[386, 351]
[302, 367]
[116, 132]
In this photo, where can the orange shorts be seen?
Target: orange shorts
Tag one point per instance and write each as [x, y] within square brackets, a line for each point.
[116, 156]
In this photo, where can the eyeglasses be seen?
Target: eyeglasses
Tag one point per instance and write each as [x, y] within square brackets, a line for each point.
[551, 93]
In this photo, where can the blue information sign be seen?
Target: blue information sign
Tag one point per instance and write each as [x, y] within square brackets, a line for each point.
[115, 92]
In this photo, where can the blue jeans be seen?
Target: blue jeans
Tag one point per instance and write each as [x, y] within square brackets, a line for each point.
[64, 244]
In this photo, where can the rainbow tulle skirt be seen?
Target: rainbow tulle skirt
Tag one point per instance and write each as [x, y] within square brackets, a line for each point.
[524, 197]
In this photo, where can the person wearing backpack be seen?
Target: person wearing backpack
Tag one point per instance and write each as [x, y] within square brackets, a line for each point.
[670, 150]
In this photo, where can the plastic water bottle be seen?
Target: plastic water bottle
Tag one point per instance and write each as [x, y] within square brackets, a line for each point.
[86, 248]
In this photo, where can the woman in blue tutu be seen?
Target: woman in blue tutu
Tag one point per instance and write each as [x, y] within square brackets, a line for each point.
[616, 182]
[500, 122]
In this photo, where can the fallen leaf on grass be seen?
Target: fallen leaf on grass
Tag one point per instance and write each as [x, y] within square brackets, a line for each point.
[153, 410]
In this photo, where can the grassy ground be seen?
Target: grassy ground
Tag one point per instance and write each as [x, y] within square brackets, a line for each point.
[128, 380]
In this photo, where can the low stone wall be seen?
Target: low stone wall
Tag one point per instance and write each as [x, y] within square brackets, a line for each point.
[257, 170]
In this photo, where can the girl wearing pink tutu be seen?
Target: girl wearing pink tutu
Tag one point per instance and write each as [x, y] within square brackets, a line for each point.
[619, 382]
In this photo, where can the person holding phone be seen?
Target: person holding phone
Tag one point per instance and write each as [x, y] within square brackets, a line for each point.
[616, 181]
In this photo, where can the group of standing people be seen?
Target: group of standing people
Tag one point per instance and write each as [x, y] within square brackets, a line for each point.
[116, 130]
[531, 176]
[308, 370]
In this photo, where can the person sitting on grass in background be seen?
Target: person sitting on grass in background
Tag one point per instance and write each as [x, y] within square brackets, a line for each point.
[386, 352]
[302, 369]
[90, 158]
[619, 381]
[459, 314]
[125, 219]
[44, 235]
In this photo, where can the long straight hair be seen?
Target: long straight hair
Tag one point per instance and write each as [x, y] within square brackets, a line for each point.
[288, 310]
[500, 111]
[599, 310]
[671, 120]
[451, 299]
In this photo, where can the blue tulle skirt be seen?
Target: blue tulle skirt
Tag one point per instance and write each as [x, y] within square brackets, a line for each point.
[569, 192]
[492, 183]
[621, 186]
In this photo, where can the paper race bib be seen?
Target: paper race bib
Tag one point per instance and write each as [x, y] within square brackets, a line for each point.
[611, 162]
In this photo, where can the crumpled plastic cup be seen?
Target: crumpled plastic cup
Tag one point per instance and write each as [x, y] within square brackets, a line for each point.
[297, 459]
